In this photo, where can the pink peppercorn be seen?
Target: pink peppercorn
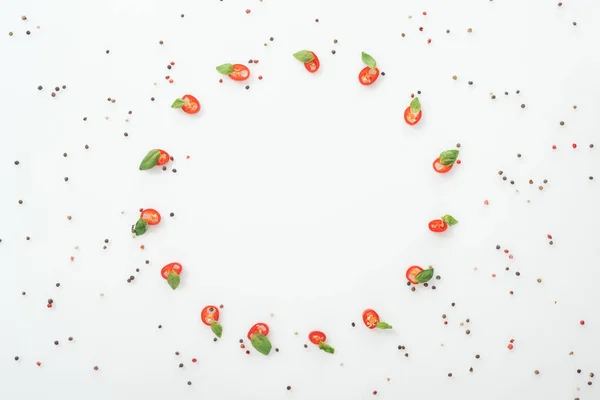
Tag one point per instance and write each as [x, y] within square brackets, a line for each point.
[424, 12]
[260, 77]
[220, 80]
[549, 236]
[582, 322]
[172, 63]
[194, 360]
[510, 346]
[248, 11]
[38, 364]
[247, 351]
[574, 146]
[486, 202]
[170, 80]
[553, 147]
[428, 41]
[458, 161]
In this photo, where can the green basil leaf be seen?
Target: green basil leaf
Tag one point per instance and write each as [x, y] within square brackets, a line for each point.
[424, 276]
[368, 60]
[150, 160]
[384, 325]
[173, 280]
[225, 69]
[178, 103]
[304, 56]
[261, 343]
[449, 219]
[140, 227]
[415, 106]
[448, 157]
[217, 329]
[326, 348]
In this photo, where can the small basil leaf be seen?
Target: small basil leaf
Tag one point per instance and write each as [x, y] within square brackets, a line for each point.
[225, 69]
[178, 103]
[449, 219]
[448, 157]
[173, 280]
[217, 329]
[415, 106]
[150, 160]
[261, 343]
[304, 56]
[368, 60]
[424, 276]
[384, 325]
[140, 227]
[326, 348]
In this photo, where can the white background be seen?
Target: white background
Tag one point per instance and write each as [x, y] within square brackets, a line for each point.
[303, 201]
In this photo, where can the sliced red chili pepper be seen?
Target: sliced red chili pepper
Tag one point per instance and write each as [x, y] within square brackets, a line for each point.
[412, 272]
[151, 216]
[370, 318]
[411, 118]
[317, 337]
[175, 267]
[368, 75]
[437, 225]
[439, 167]
[209, 315]
[260, 327]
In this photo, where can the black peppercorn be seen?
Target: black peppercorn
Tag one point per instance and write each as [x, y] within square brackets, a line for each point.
[172, 214]
[56, 342]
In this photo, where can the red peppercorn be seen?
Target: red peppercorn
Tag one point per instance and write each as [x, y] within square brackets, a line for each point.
[247, 351]
[424, 12]
[486, 202]
[553, 147]
[574, 146]
[445, 322]
[260, 77]
[248, 11]
[220, 80]
[194, 360]
[458, 161]
[428, 41]
[170, 80]
[172, 63]
[512, 340]
[49, 305]
[549, 236]
[510, 346]
[38, 364]
[582, 322]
